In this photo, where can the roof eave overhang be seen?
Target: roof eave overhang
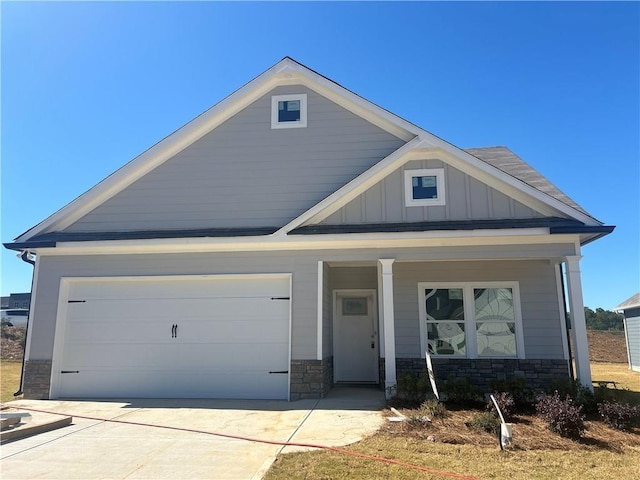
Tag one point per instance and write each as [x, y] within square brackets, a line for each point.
[587, 233]
[264, 243]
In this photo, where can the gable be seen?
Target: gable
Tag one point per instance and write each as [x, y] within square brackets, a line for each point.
[466, 199]
[226, 173]
[246, 174]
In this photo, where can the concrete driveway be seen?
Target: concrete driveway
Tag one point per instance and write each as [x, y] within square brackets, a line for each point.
[92, 449]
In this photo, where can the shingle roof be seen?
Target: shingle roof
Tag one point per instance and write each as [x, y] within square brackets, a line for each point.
[507, 161]
[630, 303]
[555, 225]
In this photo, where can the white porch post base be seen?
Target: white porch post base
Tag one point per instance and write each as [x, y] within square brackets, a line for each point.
[389, 327]
[578, 322]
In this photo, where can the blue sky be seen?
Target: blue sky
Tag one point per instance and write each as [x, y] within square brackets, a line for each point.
[86, 87]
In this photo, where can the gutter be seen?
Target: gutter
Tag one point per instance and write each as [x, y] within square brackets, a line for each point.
[24, 256]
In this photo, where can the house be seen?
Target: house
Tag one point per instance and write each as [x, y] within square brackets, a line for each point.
[17, 300]
[297, 236]
[15, 309]
[630, 308]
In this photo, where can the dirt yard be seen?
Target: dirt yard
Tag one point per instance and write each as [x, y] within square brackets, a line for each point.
[608, 347]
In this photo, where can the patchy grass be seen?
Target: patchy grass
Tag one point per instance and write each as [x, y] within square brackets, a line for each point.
[9, 379]
[618, 372]
[486, 462]
[537, 453]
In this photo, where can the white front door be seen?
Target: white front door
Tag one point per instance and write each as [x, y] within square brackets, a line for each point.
[355, 332]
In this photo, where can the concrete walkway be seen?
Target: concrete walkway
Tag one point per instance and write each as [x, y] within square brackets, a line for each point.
[91, 449]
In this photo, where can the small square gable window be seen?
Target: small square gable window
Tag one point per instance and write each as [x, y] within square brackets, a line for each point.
[289, 111]
[424, 187]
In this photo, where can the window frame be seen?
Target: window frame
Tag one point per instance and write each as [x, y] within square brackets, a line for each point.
[470, 322]
[409, 201]
[275, 99]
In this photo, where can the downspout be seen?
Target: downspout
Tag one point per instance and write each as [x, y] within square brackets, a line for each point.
[566, 322]
[25, 256]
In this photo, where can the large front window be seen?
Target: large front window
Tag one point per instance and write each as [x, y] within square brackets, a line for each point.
[471, 320]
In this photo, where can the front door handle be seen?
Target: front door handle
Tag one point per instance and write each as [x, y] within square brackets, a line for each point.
[174, 331]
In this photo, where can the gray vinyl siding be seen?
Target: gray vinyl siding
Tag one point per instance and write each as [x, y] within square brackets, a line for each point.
[349, 278]
[327, 313]
[538, 292]
[245, 174]
[632, 324]
[466, 199]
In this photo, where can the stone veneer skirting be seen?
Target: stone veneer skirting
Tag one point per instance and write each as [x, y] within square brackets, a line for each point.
[311, 378]
[538, 374]
[37, 378]
[314, 378]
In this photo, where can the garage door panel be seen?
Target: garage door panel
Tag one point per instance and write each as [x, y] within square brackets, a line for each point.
[172, 287]
[131, 356]
[174, 308]
[127, 356]
[231, 333]
[154, 384]
[239, 356]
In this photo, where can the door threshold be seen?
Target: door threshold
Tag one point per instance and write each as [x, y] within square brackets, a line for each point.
[357, 384]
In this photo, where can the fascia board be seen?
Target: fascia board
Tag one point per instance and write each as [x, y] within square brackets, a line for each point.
[489, 237]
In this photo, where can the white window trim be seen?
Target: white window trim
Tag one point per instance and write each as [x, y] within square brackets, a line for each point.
[469, 317]
[409, 201]
[302, 98]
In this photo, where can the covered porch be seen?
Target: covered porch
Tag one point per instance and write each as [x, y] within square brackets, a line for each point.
[376, 319]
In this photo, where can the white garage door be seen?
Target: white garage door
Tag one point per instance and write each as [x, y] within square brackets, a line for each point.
[168, 337]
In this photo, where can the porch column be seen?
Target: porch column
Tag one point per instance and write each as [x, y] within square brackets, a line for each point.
[389, 325]
[578, 322]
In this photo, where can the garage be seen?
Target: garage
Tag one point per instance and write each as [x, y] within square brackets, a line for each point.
[174, 337]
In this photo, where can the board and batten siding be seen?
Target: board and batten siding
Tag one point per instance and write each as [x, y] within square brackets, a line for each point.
[246, 174]
[632, 324]
[466, 199]
[304, 267]
[538, 296]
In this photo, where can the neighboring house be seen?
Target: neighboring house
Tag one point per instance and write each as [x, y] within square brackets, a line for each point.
[17, 300]
[630, 308]
[297, 236]
[16, 317]
[15, 309]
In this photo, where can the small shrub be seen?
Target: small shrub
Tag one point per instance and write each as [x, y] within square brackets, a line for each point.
[580, 394]
[505, 402]
[562, 416]
[411, 389]
[523, 396]
[434, 409]
[461, 391]
[620, 416]
[16, 334]
[417, 420]
[484, 422]
[616, 395]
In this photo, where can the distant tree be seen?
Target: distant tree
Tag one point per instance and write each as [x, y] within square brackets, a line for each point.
[603, 319]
